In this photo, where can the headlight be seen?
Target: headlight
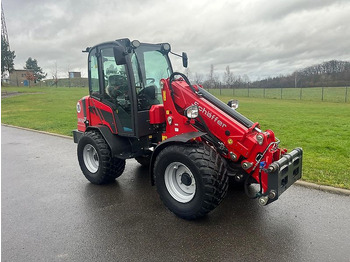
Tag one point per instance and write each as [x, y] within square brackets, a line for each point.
[191, 111]
[166, 47]
[233, 104]
[135, 43]
[170, 120]
[78, 107]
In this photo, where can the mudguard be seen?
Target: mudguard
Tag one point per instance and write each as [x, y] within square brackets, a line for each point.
[117, 144]
[183, 138]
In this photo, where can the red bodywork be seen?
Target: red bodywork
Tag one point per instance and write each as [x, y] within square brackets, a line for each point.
[238, 139]
[95, 113]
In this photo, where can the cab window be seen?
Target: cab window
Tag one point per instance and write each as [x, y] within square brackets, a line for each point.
[116, 88]
[149, 67]
[93, 71]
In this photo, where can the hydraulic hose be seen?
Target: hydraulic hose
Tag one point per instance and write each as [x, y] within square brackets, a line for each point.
[172, 78]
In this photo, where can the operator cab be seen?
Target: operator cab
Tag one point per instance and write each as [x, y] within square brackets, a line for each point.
[125, 76]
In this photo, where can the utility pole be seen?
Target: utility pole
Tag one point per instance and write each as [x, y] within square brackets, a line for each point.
[55, 76]
[4, 37]
[4, 33]
[68, 77]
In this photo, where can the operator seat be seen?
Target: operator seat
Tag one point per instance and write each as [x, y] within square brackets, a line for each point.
[147, 97]
[116, 86]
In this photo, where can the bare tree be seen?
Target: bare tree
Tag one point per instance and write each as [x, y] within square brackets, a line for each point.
[211, 76]
[229, 78]
[54, 75]
[246, 79]
[213, 79]
[238, 81]
[198, 78]
[188, 73]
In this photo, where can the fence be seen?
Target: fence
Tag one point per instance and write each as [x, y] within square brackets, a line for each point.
[65, 82]
[328, 94]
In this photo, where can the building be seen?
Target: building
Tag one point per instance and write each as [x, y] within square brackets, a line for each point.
[74, 74]
[21, 77]
[5, 78]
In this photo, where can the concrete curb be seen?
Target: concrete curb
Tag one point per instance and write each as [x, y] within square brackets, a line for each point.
[330, 189]
[38, 131]
[334, 190]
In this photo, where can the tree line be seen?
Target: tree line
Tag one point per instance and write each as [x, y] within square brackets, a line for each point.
[331, 73]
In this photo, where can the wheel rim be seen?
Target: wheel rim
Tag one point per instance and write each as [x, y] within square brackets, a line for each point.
[180, 182]
[91, 159]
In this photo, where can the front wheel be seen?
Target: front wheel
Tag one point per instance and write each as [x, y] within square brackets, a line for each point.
[191, 180]
[96, 161]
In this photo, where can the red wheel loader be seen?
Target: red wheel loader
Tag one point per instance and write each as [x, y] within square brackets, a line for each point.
[190, 140]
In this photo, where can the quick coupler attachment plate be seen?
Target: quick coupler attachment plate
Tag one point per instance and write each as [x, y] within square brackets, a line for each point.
[282, 174]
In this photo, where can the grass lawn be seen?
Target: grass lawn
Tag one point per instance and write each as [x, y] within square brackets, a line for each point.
[48, 109]
[322, 129]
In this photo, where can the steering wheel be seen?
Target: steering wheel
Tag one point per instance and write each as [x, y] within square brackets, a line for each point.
[151, 79]
[151, 82]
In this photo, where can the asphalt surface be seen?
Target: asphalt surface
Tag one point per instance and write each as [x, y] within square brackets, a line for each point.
[50, 212]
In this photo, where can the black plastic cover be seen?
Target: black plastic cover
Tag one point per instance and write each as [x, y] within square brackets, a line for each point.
[285, 172]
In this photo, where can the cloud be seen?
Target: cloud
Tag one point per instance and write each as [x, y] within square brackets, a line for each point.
[257, 38]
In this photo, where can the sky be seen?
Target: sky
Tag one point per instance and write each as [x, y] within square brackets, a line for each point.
[256, 38]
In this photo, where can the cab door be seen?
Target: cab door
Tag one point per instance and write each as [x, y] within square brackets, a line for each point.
[114, 90]
[149, 66]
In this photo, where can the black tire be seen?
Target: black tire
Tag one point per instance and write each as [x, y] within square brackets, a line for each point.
[96, 161]
[179, 168]
[144, 160]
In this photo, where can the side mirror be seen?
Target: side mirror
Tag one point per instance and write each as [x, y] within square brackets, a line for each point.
[184, 59]
[119, 55]
[233, 104]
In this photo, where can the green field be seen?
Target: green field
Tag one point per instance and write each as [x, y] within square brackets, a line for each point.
[49, 109]
[322, 129]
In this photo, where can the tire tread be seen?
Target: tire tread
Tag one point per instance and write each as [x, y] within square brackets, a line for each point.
[213, 171]
[112, 167]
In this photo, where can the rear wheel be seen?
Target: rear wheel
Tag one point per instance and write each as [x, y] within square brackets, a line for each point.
[96, 161]
[191, 179]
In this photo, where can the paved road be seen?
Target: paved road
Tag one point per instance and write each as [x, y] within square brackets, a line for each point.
[51, 213]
